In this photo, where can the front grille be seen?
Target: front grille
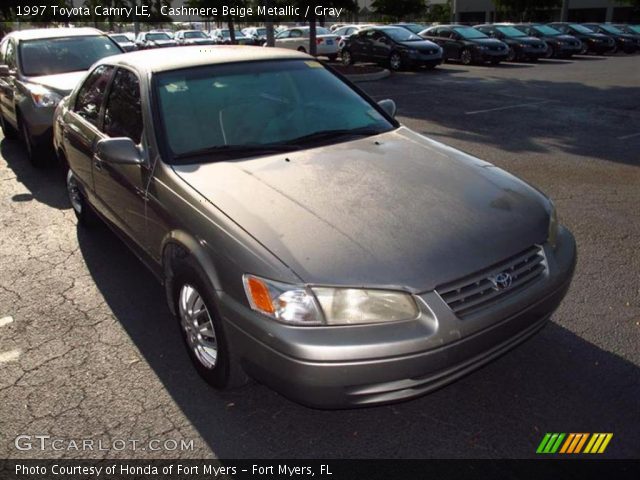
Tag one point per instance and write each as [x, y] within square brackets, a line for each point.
[428, 52]
[481, 290]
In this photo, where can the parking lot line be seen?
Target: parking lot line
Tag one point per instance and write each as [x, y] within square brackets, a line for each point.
[626, 137]
[474, 112]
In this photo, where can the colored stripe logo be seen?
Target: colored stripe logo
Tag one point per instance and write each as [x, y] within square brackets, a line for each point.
[574, 443]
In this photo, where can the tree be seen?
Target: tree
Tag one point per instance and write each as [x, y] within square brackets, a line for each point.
[218, 4]
[439, 13]
[523, 9]
[399, 9]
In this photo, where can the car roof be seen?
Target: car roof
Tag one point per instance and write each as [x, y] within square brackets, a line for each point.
[159, 60]
[39, 33]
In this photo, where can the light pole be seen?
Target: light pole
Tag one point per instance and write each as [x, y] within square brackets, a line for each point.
[564, 13]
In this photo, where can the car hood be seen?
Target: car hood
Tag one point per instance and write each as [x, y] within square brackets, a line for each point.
[420, 44]
[525, 40]
[61, 83]
[164, 42]
[198, 41]
[396, 210]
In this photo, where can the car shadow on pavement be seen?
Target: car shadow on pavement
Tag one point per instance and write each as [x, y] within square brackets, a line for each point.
[555, 382]
[35, 180]
[525, 115]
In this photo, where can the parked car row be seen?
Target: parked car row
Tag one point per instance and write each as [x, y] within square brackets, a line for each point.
[214, 168]
[399, 46]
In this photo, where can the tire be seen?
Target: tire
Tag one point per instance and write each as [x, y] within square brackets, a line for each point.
[83, 211]
[512, 56]
[8, 131]
[302, 49]
[395, 61]
[206, 343]
[347, 58]
[37, 154]
[584, 49]
[550, 53]
[333, 58]
[495, 61]
[466, 57]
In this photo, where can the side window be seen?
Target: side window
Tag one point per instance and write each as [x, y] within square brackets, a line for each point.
[296, 34]
[123, 112]
[10, 55]
[444, 33]
[91, 93]
[284, 34]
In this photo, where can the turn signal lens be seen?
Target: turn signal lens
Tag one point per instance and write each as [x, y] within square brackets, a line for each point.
[259, 296]
[286, 303]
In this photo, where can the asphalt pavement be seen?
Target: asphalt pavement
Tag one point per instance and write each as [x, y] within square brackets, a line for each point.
[88, 349]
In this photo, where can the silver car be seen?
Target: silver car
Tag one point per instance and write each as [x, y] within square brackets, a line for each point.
[38, 68]
[304, 237]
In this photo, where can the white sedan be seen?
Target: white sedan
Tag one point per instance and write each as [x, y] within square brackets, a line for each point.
[297, 38]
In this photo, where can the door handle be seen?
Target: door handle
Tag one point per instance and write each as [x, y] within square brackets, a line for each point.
[97, 162]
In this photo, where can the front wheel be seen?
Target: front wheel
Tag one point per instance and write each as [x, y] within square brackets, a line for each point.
[395, 61]
[202, 330]
[332, 58]
[511, 56]
[495, 61]
[302, 50]
[550, 53]
[466, 57]
[584, 49]
[36, 153]
[347, 58]
[8, 131]
[83, 211]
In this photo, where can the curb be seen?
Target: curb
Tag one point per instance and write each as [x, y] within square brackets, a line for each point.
[369, 77]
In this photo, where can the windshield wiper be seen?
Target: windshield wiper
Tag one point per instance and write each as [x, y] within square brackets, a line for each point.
[225, 150]
[328, 134]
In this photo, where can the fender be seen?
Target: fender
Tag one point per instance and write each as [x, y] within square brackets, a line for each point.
[186, 245]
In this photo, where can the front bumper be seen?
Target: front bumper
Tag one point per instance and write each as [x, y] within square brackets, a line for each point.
[337, 367]
[535, 53]
[491, 55]
[424, 59]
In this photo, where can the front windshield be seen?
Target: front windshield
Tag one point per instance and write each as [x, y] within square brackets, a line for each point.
[50, 56]
[262, 32]
[470, 33]
[400, 34]
[545, 30]
[511, 31]
[255, 104]
[120, 38]
[635, 28]
[611, 29]
[581, 28]
[322, 31]
[157, 36]
[194, 35]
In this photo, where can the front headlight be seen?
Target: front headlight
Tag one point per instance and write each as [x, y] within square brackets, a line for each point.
[299, 305]
[43, 97]
[552, 236]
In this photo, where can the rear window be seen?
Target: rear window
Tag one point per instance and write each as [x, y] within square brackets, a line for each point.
[51, 56]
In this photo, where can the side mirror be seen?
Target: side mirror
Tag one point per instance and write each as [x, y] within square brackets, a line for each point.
[120, 150]
[5, 71]
[389, 106]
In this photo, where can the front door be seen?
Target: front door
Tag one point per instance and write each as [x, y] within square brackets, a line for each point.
[121, 189]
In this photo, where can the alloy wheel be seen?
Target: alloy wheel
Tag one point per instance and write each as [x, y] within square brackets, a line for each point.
[549, 53]
[512, 55]
[466, 57]
[75, 196]
[395, 61]
[198, 327]
[346, 57]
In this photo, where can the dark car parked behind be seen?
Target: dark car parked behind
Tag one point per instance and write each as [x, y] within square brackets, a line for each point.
[625, 42]
[592, 42]
[521, 46]
[395, 46]
[466, 44]
[37, 69]
[559, 45]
